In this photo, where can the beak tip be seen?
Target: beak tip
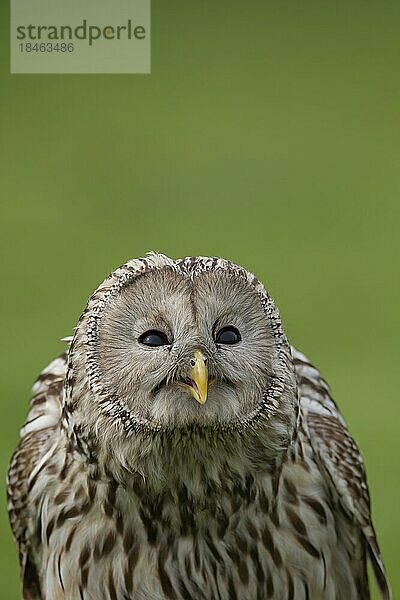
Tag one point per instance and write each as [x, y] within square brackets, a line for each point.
[198, 374]
[197, 395]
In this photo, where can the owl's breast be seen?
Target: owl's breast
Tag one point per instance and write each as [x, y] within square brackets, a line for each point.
[247, 541]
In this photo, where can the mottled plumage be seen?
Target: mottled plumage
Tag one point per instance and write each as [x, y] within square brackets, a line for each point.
[123, 486]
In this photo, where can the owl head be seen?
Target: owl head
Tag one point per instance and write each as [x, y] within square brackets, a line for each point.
[181, 345]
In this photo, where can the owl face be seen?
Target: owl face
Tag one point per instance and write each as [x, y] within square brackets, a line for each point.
[178, 346]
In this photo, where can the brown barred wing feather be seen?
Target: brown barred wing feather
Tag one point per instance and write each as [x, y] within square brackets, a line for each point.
[23, 462]
[36, 434]
[339, 459]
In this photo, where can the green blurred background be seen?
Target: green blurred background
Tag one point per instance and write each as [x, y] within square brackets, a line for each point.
[267, 133]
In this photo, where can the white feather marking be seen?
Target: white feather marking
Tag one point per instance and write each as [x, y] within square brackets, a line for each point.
[40, 422]
[42, 461]
[56, 367]
[315, 406]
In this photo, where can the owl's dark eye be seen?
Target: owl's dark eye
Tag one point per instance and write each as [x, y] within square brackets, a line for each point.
[228, 335]
[153, 338]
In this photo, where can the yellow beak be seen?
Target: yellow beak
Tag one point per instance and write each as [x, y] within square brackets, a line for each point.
[198, 378]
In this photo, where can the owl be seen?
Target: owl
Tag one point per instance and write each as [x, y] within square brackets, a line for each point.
[182, 449]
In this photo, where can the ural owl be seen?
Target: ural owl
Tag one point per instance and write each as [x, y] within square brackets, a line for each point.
[182, 449]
